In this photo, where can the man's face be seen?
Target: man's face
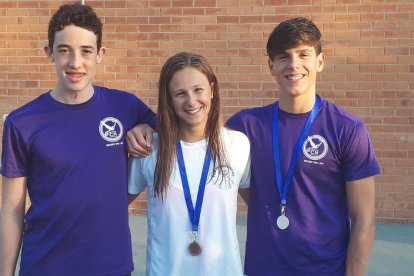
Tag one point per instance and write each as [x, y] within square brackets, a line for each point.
[75, 55]
[296, 69]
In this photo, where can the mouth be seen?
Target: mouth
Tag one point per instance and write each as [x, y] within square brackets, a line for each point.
[75, 76]
[192, 111]
[295, 77]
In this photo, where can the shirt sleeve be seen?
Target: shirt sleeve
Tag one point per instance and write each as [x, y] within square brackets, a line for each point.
[15, 154]
[136, 178]
[235, 123]
[359, 160]
[244, 147]
[141, 170]
[245, 179]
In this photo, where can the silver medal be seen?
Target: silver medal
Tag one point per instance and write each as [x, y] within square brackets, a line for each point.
[282, 222]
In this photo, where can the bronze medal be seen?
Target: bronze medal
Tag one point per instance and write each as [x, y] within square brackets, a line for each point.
[194, 248]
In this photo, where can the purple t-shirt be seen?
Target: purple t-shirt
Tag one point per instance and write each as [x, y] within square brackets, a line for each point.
[75, 161]
[337, 149]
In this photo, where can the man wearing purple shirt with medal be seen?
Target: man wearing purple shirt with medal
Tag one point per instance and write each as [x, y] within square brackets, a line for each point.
[311, 195]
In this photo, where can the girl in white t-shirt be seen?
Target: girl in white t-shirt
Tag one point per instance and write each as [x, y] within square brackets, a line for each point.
[192, 175]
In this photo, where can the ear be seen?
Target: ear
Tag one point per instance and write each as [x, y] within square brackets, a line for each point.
[49, 53]
[100, 55]
[320, 61]
[271, 63]
[212, 90]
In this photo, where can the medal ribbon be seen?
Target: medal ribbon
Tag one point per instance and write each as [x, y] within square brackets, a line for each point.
[283, 187]
[194, 214]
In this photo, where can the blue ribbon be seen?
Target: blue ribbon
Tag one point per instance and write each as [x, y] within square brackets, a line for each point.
[283, 187]
[194, 214]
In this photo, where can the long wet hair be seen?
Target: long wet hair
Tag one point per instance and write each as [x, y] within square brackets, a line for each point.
[167, 120]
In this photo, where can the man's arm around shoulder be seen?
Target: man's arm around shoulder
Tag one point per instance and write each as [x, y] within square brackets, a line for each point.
[11, 223]
[361, 205]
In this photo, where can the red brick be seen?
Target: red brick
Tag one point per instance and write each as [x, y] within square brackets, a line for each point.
[404, 213]
[228, 19]
[194, 11]
[385, 8]
[205, 3]
[360, 59]
[148, 28]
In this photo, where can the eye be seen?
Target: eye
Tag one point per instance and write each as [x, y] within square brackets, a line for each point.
[179, 94]
[63, 51]
[282, 57]
[305, 54]
[86, 52]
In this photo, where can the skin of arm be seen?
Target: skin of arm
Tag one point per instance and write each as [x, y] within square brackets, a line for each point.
[361, 205]
[244, 193]
[11, 223]
[139, 140]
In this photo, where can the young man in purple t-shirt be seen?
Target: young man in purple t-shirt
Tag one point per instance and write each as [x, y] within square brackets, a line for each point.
[67, 149]
[311, 198]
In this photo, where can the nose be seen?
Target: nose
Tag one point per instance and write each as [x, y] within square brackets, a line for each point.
[191, 99]
[75, 60]
[294, 62]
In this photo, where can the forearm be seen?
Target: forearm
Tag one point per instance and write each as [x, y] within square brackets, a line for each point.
[361, 206]
[11, 228]
[11, 222]
[360, 245]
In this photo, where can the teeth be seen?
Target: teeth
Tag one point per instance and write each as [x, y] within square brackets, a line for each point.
[295, 77]
[192, 111]
[77, 75]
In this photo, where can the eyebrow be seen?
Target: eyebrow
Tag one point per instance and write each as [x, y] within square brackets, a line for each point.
[285, 52]
[185, 90]
[68, 46]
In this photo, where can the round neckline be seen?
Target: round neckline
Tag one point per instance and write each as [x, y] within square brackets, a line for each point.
[77, 105]
[192, 144]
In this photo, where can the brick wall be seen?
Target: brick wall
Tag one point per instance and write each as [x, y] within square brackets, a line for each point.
[369, 66]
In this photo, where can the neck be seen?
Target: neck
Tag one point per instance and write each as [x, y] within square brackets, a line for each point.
[191, 135]
[299, 104]
[72, 97]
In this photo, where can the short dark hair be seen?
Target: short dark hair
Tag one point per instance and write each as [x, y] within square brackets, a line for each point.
[292, 33]
[75, 14]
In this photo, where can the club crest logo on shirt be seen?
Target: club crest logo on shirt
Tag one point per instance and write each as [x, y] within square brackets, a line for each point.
[315, 147]
[111, 129]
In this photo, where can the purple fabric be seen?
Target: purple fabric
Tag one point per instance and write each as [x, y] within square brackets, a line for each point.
[338, 149]
[77, 181]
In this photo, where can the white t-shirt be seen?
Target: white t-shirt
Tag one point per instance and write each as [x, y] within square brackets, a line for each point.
[169, 227]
